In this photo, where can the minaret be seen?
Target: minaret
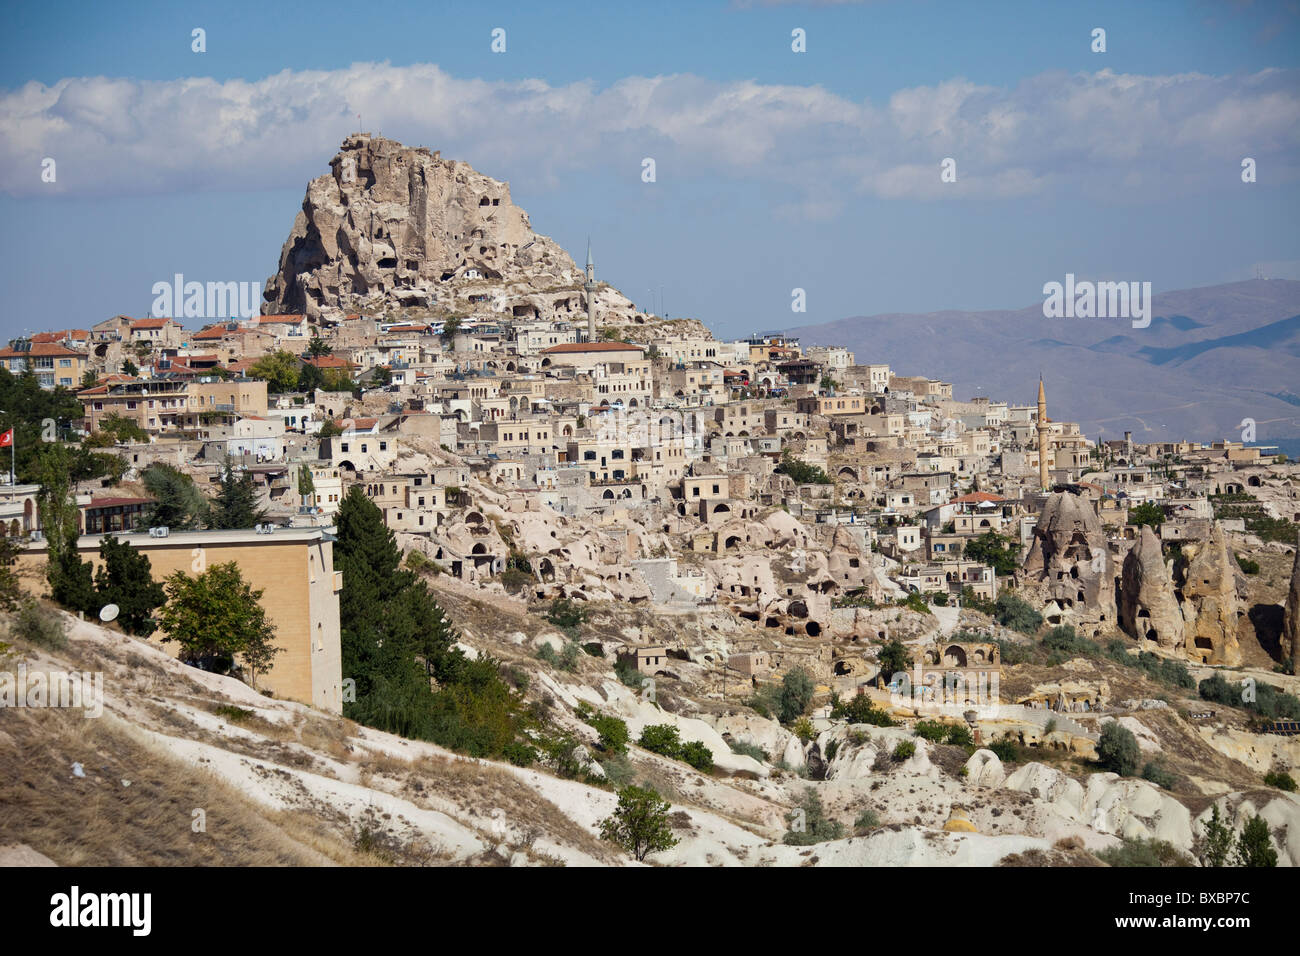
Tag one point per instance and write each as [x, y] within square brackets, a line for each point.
[1044, 480]
[589, 287]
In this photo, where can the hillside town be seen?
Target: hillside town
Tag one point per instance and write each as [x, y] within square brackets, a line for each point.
[703, 518]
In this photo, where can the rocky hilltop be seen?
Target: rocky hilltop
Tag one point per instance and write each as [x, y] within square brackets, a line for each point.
[399, 229]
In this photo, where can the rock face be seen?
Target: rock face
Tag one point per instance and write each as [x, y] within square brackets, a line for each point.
[1210, 605]
[394, 227]
[1070, 560]
[1149, 608]
[1291, 622]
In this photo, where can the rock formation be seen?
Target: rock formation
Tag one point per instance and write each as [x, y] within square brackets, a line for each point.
[1210, 607]
[1070, 560]
[1149, 608]
[393, 226]
[1291, 621]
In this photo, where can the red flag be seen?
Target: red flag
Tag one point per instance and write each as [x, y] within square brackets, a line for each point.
[7, 439]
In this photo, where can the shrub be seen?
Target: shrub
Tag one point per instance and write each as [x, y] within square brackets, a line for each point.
[808, 822]
[1008, 751]
[613, 732]
[796, 694]
[747, 749]
[1281, 780]
[1117, 750]
[661, 739]
[1158, 774]
[514, 580]
[619, 771]
[868, 819]
[860, 709]
[904, 750]
[566, 615]
[1014, 612]
[639, 823]
[565, 660]
[698, 755]
[931, 730]
[1064, 639]
[40, 625]
[628, 674]
[519, 753]
[959, 736]
[1247, 565]
[803, 729]
[1143, 852]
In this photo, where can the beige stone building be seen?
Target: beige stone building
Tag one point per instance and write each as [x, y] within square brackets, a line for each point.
[293, 567]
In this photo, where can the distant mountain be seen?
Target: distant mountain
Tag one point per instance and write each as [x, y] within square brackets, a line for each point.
[1210, 358]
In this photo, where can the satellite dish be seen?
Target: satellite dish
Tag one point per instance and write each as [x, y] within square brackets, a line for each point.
[108, 613]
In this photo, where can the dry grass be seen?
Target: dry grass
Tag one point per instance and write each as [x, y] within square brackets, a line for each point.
[98, 820]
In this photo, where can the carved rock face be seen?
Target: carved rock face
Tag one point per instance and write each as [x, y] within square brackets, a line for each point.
[1210, 606]
[1149, 608]
[1291, 622]
[395, 226]
[1069, 557]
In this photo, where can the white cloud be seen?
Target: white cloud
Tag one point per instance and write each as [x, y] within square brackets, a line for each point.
[1105, 134]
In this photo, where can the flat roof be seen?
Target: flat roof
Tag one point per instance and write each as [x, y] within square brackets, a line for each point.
[141, 539]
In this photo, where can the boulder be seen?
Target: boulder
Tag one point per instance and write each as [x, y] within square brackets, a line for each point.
[984, 769]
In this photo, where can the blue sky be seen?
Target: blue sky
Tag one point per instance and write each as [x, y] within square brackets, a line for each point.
[775, 170]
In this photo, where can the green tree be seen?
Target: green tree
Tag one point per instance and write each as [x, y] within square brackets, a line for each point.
[310, 378]
[1253, 846]
[800, 471]
[995, 551]
[70, 578]
[796, 694]
[177, 502]
[125, 578]
[306, 486]
[318, 347]
[217, 618]
[1215, 842]
[279, 370]
[894, 659]
[450, 328]
[1117, 750]
[235, 505]
[661, 739]
[1147, 514]
[639, 823]
[11, 591]
[130, 368]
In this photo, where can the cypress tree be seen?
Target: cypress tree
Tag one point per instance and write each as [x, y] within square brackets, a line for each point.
[126, 579]
[235, 505]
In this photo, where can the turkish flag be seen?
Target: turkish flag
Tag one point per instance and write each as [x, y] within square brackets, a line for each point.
[7, 439]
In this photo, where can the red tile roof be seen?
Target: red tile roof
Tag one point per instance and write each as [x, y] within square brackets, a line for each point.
[328, 361]
[44, 349]
[151, 323]
[975, 497]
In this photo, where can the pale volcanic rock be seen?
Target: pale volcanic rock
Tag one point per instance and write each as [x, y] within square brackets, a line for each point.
[1070, 559]
[1149, 608]
[393, 226]
[1210, 607]
[1291, 621]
